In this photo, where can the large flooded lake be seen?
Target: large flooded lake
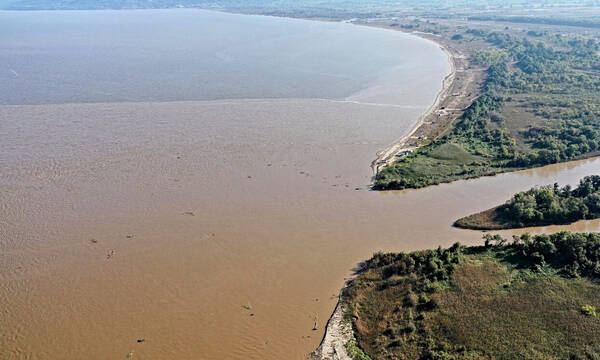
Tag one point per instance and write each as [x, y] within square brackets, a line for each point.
[199, 180]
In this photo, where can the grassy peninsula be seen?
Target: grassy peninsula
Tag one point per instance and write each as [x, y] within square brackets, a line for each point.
[543, 205]
[534, 298]
[539, 104]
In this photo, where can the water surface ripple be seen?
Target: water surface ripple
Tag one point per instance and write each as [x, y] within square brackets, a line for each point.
[199, 180]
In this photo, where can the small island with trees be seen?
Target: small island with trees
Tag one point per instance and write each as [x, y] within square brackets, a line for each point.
[539, 206]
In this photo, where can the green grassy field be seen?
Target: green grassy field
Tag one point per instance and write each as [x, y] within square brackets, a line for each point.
[494, 302]
[495, 310]
[438, 163]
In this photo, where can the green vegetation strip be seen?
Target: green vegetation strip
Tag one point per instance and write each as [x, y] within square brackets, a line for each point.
[544, 205]
[533, 298]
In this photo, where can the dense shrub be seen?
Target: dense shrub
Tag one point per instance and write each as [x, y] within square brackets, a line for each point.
[554, 205]
[573, 254]
[435, 265]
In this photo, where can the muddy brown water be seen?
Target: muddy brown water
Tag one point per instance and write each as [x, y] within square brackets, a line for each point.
[210, 229]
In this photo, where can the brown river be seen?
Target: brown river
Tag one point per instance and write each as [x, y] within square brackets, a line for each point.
[213, 228]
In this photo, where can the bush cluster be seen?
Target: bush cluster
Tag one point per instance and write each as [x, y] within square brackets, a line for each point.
[554, 205]
[434, 265]
[572, 254]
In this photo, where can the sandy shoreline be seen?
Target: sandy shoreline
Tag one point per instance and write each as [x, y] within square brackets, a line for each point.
[456, 94]
[338, 333]
[459, 88]
[388, 155]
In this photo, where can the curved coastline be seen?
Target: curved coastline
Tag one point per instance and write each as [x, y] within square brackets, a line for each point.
[337, 320]
[387, 156]
[339, 331]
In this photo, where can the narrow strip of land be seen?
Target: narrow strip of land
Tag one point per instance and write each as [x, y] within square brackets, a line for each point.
[540, 206]
[459, 88]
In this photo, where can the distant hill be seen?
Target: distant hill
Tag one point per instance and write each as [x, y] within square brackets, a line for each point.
[94, 4]
[150, 4]
[276, 6]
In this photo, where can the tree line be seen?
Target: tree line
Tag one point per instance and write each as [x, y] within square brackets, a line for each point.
[554, 205]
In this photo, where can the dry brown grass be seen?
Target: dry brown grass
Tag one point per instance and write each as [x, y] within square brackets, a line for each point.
[539, 317]
[488, 310]
[486, 220]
